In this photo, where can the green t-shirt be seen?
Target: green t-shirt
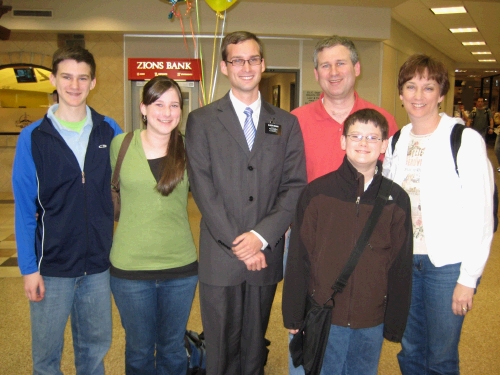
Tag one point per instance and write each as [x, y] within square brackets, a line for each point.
[75, 126]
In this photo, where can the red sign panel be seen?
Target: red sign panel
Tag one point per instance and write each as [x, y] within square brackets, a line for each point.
[140, 69]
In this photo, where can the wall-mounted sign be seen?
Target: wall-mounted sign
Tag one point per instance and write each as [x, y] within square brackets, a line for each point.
[310, 96]
[140, 69]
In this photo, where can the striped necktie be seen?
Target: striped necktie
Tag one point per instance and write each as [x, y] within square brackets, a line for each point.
[249, 127]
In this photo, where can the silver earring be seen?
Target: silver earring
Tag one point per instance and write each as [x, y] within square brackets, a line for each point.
[144, 119]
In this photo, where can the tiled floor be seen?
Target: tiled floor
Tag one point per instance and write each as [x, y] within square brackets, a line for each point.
[8, 256]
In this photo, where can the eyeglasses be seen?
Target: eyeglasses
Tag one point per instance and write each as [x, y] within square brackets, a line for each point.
[241, 62]
[359, 138]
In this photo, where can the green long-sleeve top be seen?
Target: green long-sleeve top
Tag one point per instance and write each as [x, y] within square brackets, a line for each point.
[153, 232]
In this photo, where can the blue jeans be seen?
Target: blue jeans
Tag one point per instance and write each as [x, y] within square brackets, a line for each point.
[350, 352]
[430, 340]
[87, 299]
[154, 314]
[353, 351]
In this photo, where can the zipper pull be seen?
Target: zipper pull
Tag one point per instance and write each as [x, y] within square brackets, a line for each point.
[83, 177]
[357, 206]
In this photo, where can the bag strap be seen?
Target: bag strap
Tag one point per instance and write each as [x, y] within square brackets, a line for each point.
[394, 140]
[115, 180]
[455, 142]
[380, 201]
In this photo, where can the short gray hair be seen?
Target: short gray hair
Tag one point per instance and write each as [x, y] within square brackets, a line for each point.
[333, 41]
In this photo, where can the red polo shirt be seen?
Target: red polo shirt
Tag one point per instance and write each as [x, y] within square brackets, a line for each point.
[322, 135]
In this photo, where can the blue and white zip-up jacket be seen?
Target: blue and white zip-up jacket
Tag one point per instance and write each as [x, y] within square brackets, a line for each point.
[73, 233]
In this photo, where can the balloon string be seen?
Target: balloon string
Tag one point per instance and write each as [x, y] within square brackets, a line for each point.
[202, 82]
[213, 54]
[195, 46]
[217, 66]
[192, 33]
[179, 15]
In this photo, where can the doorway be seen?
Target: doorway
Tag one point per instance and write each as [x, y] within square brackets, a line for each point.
[278, 87]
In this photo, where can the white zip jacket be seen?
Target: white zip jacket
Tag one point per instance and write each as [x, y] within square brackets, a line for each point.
[457, 211]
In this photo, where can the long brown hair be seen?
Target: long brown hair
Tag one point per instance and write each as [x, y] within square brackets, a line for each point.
[175, 162]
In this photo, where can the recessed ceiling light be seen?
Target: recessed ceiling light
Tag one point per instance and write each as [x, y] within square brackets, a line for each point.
[474, 43]
[460, 71]
[491, 71]
[481, 53]
[473, 75]
[448, 10]
[487, 60]
[464, 30]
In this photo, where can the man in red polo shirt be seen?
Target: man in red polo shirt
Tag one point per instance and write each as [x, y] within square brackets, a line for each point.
[336, 66]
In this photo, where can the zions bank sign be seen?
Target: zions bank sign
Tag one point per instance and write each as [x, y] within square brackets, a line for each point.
[140, 69]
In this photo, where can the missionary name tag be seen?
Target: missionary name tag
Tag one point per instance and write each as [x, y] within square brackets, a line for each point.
[273, 129]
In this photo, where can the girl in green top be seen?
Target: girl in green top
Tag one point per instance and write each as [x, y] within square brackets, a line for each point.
[153, 259]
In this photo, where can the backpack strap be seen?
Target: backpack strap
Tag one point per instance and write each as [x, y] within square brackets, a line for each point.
[395, 138]
[455, 142]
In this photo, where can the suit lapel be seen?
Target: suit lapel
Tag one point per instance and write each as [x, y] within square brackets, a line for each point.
[227, 116]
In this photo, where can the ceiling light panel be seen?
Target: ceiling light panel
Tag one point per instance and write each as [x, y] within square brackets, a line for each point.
[481, 53]
[464, 30]
[448, 10]
[474, 43]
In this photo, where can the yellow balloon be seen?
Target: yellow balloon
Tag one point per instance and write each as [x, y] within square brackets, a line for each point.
[220, 5]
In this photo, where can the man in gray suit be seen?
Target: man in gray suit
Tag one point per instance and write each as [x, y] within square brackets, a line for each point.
[246, 167]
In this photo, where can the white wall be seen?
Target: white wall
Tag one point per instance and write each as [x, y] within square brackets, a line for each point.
[151, 16]
[402, 44]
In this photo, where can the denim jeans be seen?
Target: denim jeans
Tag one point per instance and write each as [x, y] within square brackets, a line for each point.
[349, 352]
[430, 340]
[154, 314]
[353, 351]
[87, 299]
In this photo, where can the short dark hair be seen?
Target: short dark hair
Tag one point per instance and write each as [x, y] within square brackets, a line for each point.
[418, 65]
[77, 53]
[333, 41]
[365, 116]
[175, 162]
[238, 37]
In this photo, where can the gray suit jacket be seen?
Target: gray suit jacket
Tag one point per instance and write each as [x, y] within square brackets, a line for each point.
[238, 190]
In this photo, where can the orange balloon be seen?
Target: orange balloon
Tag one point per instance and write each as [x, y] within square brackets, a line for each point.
[220, 5]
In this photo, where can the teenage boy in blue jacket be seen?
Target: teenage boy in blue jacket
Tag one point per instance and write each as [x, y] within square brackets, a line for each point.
[64, 220]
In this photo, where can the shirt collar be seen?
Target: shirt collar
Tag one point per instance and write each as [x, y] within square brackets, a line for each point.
[51, 115]
[239, 107]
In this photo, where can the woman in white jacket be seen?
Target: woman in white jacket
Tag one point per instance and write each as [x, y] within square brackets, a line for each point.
[451, 214]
